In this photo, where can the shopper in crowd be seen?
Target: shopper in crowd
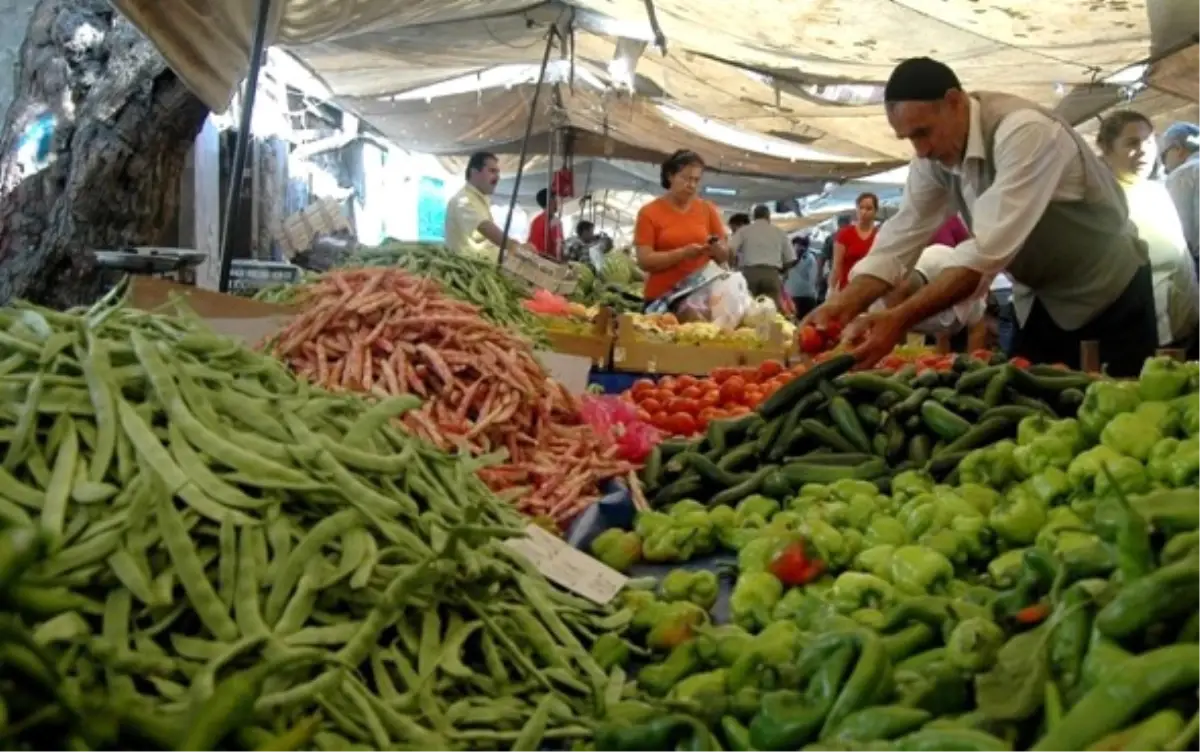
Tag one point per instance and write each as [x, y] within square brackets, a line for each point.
[803, 279]
[1126, 143]
[763, 254]
[469, 225]
[737, 222]
[1040, 205]
[843, 220]
[852, 242]
[545, 231]
[587, 245]
[1181, 158]
[678, 233]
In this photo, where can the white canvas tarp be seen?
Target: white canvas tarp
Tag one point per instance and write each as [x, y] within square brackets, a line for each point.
[754, 64]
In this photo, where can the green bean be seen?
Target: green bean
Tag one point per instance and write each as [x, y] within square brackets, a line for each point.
[299, 607]
[227, 563]
[323, 533]
[246, 611]
[200, 592]
[132, 576]
[25, 424]
[206, 481]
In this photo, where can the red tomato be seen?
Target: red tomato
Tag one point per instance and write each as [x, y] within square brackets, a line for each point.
[892, 362]
[809, 340]
[981, 354]
[651, 405]
[684, 380]
[797, 370]
[734, 411]
[711, 398]
[682, 424]
[668, 383]
[833, 329]
[642, 385]
[719, 375]
[752, 396]
[732, 390]
[692, 392]
[659, 419]
[643, 415]
[769, 369]
[627, 397]
[707, 415]
[683, 405]
[1020, 362]
[662, 395]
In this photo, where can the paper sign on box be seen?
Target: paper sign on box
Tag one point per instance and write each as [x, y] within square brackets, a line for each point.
[568, 567]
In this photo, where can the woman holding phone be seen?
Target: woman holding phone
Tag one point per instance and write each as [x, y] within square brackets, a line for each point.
[678, 233]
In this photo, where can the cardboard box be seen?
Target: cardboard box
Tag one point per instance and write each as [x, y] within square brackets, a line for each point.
[596, 346]
[631, 353]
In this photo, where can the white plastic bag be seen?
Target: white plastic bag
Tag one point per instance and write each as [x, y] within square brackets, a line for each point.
[762, 312]
[729, 300]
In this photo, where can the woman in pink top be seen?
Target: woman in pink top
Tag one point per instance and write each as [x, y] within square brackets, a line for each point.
[951, 233]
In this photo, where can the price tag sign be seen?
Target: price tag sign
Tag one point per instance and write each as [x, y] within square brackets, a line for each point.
[619, 354]
[568, 567]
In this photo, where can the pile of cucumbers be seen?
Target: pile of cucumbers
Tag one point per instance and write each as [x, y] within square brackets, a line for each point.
[833, 423]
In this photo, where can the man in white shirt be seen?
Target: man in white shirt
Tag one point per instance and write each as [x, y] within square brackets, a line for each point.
[1180, 150]
[965, 315]
[469, 226]
[763, 253]
[1040, 206]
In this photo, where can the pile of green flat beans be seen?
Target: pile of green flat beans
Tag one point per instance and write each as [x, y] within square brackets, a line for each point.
[229, 558]
[477, 282]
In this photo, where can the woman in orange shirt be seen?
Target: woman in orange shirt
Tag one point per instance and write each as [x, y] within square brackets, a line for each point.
[678, 233]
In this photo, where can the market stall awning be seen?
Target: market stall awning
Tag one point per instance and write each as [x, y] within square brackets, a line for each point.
[810, 70]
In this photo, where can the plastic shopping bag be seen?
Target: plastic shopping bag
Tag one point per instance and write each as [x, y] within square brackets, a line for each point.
[612, 417]
[729, 300]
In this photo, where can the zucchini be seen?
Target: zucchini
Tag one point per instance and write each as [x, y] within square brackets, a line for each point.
[978, 379]
[789, 393]
[942, 421]
[714, 474]
[873, 383]
[846, 420]
[688, 485]
[736, 493]
[919, 449]
[827, 436]
[985, 432]
[799, 473]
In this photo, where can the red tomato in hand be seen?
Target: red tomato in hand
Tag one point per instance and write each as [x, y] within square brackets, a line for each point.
[682, 424]
[732, 390]
[833, 329]
[1020, 362]
[809, 340]
[981, 354]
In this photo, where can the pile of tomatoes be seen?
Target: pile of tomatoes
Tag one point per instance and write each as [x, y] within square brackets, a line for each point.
[684, 405]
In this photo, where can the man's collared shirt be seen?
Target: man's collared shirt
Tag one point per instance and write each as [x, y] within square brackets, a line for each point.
[761, 243]
[468, 209]
[1036, 161]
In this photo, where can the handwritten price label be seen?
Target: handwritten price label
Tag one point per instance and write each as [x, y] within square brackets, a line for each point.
[568, 567]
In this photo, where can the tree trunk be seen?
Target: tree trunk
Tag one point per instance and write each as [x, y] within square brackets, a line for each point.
[123, 124]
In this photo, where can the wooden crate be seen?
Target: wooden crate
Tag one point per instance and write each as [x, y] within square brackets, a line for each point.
[324, 217]
[631, 353]
[540, 272]
[596, 346]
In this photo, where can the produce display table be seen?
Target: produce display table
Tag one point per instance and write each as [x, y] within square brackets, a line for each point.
[595, 345]
[633, 351]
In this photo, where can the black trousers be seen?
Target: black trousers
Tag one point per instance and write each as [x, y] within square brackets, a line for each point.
[1127, 332]
[804, 306]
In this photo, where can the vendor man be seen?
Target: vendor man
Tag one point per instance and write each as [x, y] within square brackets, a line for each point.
[964, 320]
[1040, 206]
[469, 226]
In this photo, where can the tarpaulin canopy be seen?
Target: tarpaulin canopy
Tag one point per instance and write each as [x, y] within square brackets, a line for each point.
[809, 70]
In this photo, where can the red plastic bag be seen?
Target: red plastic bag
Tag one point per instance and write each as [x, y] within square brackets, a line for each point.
[613, 417]
[547, 303]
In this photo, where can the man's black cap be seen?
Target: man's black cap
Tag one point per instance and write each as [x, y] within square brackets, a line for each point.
[920, 79]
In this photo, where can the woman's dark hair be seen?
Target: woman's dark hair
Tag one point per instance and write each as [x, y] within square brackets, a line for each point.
[676, 163]
[868, 194]
[1111, 127]
[542, 198]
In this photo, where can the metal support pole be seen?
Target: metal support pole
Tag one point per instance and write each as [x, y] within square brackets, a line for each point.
[232, 200]
[548, 231]
[512, 203]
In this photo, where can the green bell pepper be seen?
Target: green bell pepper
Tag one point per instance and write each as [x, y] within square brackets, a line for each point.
[876, 560]
[946, 542]
[649, 522]
[884, 530]
[847, 488]
[828, 543]
[658, 678]
[854, 590]
[974, 536]
[974, 643]
[1083, 554]
[610, 650]
[756, 555]
[917, 569]
[1159, 463]
[918, 515]
[1118, 524]
[1163, 415]
[1187, 408]
[1162, 378]
[721, 645]
[911, 483]
[879, 722]
[1051, 486]
[775, 648]
[681, 509]
[1174, 463]
[673, 624]
[1047, 443]
[860, 509]
[703, 532]
[819, 491]
[1006, 568]
[1058, 519]
[1019, 516]
[1103, 401]
[1123, 475]
[1131, 434]
[704, 695]
[980, 497]
[797, 605]
[1085, 469]
[787, 521]
[671, 731]
[992, 466]
[756, 504]
[787, 719]
[754, 598]
[619, 549]
[699, 587]
[668, 545]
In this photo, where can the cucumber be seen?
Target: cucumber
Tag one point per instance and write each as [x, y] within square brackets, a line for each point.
[1012, 412]
[879, 445]
[652, 471]
[919, 449]
[790, 392]
[896, 438]
[966, 404]
[943, 394]
[887, 400]
[671, 447]
[927, 379]
[784, 438]
[714, 474]
[799, 473]
[945, 463]
[964, 363]
[994, 390]
[873, 383]
[825, 457]
[827, 436]
[846, 420]
[985, 432]
[1013, 397]
[736, 493]
[776, 485]
[1032, 384]
[977, 379]
[869, 415]
[721, 431]
[769, 433]
[906, 373]
[732, 459]
[942, 421]
[913, 423]
[910, 404]
[678, 490]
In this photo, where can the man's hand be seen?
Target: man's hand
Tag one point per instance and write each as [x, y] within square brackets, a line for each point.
[873, 336]
[830, 315]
